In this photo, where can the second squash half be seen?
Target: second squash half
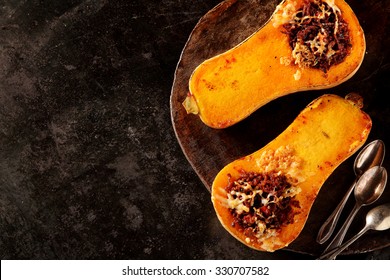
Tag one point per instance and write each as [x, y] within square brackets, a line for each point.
[264, 199]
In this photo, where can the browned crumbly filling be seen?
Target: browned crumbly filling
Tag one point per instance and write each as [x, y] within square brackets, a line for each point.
[318, 36]
[261, 203]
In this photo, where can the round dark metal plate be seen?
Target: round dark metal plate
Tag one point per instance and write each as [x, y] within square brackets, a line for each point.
[209, 150]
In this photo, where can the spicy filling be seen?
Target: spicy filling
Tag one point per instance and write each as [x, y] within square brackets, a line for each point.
[261, 203]
[318, 36]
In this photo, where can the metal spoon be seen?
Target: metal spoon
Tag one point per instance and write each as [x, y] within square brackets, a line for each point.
[377, 218]
[371, 155]
[368, 189]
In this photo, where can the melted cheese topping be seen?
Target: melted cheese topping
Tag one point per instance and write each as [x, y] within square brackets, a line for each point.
[297, 75]
[305, 56]
[284, 60]
[236, 200]
[283, 161]
[284, 15]
[306, 53]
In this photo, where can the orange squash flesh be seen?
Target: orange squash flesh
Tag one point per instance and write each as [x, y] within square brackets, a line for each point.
[227, 88]
[327, 132]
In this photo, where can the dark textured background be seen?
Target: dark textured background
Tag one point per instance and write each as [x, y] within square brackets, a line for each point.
[89, 164]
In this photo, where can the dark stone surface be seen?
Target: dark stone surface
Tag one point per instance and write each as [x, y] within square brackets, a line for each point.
[89, 164]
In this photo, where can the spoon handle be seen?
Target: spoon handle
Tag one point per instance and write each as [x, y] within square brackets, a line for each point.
[338, 239]
[332, 254]
[329, 225]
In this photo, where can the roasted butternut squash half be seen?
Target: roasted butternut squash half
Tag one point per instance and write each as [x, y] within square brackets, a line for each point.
[264, 199]
[305, 45]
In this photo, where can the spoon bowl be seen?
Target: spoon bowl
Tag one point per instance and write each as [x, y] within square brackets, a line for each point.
[378, 218]
[371, 185]
[371, 155]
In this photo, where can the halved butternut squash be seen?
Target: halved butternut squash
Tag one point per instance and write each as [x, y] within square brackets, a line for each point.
[305, 45]
[264, 199]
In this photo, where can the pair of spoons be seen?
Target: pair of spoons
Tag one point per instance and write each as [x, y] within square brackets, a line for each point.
[368, 186]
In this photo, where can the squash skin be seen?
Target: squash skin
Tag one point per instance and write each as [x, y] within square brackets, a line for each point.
[227, 88]
[322, 140]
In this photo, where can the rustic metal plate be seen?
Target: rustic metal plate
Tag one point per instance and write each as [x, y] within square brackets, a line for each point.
[208, 150]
